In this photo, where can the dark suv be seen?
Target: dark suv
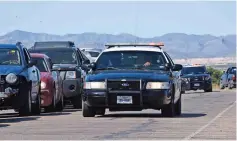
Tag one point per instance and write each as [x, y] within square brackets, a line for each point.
[19, 80]
[196, 77]
[132, 77]
[67, 59]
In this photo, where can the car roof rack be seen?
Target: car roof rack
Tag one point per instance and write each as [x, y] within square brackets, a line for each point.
[159, 44]
[53, 44]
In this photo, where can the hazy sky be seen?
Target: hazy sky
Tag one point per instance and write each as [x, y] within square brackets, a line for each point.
[145, 19]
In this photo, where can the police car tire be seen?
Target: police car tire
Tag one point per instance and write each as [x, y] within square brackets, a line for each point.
[76, 102]
[178, 106]
[87, 111]
[26, 109]
[100, 111]
[169, 110]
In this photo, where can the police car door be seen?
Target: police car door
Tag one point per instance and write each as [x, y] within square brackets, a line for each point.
[176, 77]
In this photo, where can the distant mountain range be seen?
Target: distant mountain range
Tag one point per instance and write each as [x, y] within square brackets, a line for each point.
[178, 45]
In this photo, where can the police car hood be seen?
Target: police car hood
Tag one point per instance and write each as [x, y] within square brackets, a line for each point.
[149, 75]
[6, 69]
[194, 75]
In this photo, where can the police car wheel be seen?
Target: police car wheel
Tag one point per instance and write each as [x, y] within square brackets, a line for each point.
[169, 110]
[87, 111]
[178, 106]
[100, 111]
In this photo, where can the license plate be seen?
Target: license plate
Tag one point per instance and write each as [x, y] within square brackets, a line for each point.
[124, 99]
[3, 95]
[196, 84]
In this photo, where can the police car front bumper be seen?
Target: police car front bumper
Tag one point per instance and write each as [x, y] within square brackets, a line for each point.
[198, 85]
[154, 99]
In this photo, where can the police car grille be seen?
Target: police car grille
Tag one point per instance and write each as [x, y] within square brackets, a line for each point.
[123, 85]
[196, 78]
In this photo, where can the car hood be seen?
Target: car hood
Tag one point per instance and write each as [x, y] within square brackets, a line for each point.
[126, 74]
[6, 69]
[65, 65]
[194, 75]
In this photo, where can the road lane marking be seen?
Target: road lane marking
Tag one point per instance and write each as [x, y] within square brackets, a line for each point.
[209, 123]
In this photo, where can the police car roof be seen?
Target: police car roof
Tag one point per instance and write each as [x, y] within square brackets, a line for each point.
[137, 48]
[12, 46]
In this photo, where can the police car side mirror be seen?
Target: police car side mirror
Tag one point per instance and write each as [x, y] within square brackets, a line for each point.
[177, 67]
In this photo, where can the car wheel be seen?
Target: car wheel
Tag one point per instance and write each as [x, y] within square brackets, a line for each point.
[178, 106]
[36, 107]
[169, 110]
[87, 111]
[52, 107]
[26, 109]
[100, 111]
[60, 105]
[229, 85]
[208, 90]
[222, 86]
[76, 102]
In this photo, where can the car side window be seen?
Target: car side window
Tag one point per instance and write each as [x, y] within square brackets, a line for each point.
[170, 60]
[27, 58]
[80, 55]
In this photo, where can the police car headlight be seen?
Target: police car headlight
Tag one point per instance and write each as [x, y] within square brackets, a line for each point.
[158, 85]
[207, 77]
[94, 85]
[70, 74]
[11, 78]
[43, 85]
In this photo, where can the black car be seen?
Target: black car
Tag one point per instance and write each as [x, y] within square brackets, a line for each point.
[228, 78]
[67, 59]
[118, 80]
[19, 80]
[196, 77]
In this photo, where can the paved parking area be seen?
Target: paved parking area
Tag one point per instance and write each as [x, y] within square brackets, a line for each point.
[205, 116]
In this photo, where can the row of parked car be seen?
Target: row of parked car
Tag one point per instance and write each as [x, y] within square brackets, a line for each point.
[123, 77]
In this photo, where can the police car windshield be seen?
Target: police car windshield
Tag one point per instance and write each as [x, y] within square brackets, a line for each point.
[59, 56]
[41, 64]
[9, 57]
[193, 70]
[131, 60]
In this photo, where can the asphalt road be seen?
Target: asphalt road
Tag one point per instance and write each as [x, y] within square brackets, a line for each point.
[205, 116]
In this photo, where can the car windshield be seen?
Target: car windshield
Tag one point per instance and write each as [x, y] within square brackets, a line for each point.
[59, 56]
[10, 57]
[41, 64]
[193, 70]
[131, 60]
[93, 53]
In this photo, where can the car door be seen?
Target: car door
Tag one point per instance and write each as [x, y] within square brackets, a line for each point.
[176, 78]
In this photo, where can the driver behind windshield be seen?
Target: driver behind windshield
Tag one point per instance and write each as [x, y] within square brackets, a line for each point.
[130, 59]
[9, 57]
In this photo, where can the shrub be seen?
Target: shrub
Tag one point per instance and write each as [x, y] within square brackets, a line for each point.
[215, 74]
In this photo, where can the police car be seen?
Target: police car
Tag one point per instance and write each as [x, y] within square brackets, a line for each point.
[196, 77]
[132, 77]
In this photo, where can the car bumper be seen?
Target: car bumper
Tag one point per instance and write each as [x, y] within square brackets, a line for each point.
[71, 87]
[10, 99]
[198, 85]
[154, 99]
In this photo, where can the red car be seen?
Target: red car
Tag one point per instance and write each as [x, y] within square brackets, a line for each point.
[51, 84]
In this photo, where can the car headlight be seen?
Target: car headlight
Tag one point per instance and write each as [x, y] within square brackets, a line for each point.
[43, 85]
[11, 78]
[158, 85]
[94, 85]
[70, 74]
[207, 77]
